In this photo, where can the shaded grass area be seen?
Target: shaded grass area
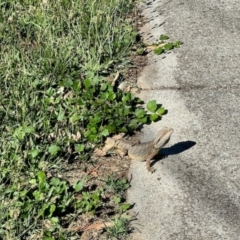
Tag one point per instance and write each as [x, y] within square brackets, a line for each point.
[56, 107]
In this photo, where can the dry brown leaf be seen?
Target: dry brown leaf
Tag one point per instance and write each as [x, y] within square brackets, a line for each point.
[152, 47]
[94, 174]
[49, 175]
[47, 224]
[68, 94]
[99, 226]
[123, 85]
[60, 90]
[79, 197]
[86, 236]
[100, 153]
[95, 226]
[51, 136]
[109, 143]
[128, 88]
[76, 136]
[70, 150]
[118, 136]
[93, 171]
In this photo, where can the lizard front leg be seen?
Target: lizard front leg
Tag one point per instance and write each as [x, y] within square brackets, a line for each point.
[150, 156]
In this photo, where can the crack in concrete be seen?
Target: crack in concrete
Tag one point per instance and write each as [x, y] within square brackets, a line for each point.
[188, 88]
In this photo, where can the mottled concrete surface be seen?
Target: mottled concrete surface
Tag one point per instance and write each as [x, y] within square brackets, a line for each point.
[195, 191]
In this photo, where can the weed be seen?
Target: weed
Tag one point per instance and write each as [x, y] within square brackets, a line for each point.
[56, 106]
[119, 230]
[117, 185]
[89, 201]
[164, 46]
[159, 47]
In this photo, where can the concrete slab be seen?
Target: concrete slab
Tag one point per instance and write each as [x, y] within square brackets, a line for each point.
[195, 191]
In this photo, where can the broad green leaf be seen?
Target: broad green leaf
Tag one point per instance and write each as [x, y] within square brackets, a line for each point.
[154, 117]
[95, 80]
[152, 106]
[61, 116]
[79, 147]
[50, 92]
[95, 196]
[161, 111]
[76, 85]
[126, 111]
[67, 83]
[133, 124]
[33, 181]
[143, 120]
[169, 46]
[41, 178]
[92, 128]
[54, 220]
[126, 98]
[86, 195]
[105, 132]
[96, 119]
[163, 37]
[47, 100]
[111, 96]
[20, 132]
[87, 83]
[104, 95]
[125, 206]
[158, 50]
[38, 195]
[104, 87]
[78, 186]
[34, 153]
[54, 149]
[52, 209]
[140, 113]
[117, 199]
[23, 193]
[55, 181]
[74, 118]
[90, 74]
[93, 137]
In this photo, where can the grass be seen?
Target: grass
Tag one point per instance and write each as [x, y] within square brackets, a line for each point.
[56, 107]
[54, 56]
[119, 230]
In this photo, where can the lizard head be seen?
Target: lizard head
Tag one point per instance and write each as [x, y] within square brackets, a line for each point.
[163, 137]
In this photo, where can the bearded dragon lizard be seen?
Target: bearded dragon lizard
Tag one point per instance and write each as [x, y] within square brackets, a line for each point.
[143, 151]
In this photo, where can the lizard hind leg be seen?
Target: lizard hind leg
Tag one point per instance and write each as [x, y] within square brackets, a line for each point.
[148, 165]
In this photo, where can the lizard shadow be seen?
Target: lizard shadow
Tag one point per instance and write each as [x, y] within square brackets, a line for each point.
[173, 150]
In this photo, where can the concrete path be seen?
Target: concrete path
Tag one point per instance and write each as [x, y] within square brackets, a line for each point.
[195, 192]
